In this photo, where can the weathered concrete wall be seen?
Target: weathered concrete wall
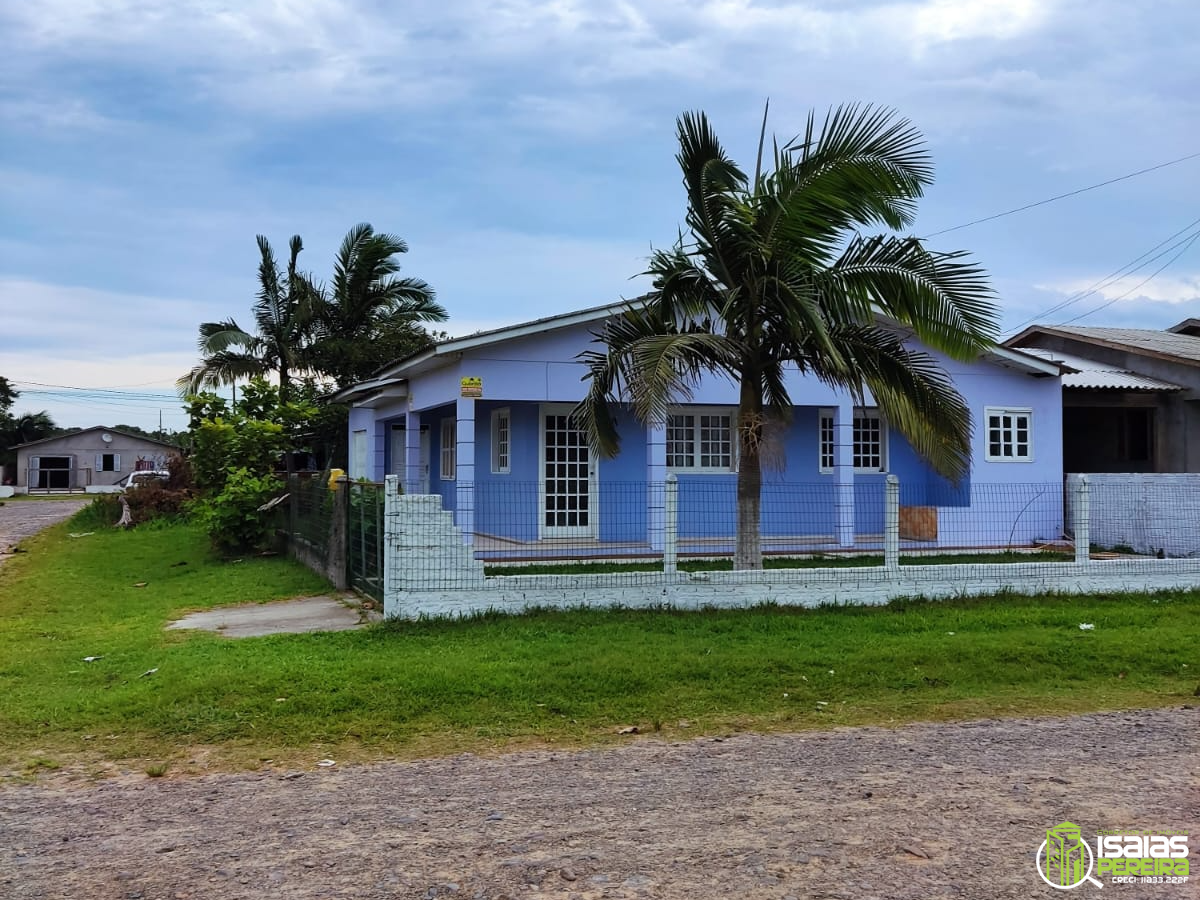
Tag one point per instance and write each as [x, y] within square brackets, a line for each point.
[1148, 512]
[798, 587]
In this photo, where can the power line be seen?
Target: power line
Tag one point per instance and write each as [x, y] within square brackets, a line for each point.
[1187, 246]
[1124, 271]
[71, 387]
[1074, 193]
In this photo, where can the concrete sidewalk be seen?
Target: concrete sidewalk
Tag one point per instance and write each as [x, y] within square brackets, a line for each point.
[286, 617]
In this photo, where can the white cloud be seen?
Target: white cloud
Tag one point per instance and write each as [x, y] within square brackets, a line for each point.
[1172, 290]
[947, 21]
[96, 325]
[300, 57]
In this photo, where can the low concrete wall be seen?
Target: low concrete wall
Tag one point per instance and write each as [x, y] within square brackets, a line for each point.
[1148, 513]
[867, 586]
[102, 489]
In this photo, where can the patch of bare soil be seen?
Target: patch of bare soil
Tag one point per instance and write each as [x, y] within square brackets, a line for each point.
[923, 811]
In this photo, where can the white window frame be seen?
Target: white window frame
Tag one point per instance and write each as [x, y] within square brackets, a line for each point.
[501, 441]
[448, 452]
[358, 454]
[116, 462]
[828, 450]
[696, 412]
[1015, 412]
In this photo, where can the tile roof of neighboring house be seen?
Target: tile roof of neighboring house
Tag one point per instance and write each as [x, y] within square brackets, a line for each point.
[1091, 374]
[1170, 345]
[136, 437]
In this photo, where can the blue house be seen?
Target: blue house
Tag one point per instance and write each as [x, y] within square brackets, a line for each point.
[484, 421]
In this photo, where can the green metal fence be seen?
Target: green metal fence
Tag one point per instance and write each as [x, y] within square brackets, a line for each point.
[364, 532]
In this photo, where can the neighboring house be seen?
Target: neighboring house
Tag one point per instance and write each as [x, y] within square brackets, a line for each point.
[1129, 395]
[485, 422]
[93, 459]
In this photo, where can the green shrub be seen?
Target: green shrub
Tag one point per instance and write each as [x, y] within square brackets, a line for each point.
[154, 501]
[103, 512]
[222, 446]
[232, 517]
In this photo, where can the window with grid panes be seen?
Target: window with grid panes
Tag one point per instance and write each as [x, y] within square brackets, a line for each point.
[449, 450]
[869, 453]
[868, 442]
[501, 463]
[1009, 434]
[700, 441]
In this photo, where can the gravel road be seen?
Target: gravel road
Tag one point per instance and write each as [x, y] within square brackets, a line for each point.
[20, 519]
[924, 811]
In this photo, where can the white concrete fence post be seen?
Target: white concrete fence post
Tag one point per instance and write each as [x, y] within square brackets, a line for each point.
[1083, 522]
[391, 519]
[671, 526]
[891, 523]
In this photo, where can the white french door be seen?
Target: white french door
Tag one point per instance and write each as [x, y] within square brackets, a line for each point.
[568, 478]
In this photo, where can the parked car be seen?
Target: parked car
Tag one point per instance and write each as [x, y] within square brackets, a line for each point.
[144, 477]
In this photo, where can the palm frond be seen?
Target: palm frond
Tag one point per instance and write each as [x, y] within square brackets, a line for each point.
[865, 166]
[218, 336]
[221, 368]
[913, 392]
[649, 363]
[945, 301]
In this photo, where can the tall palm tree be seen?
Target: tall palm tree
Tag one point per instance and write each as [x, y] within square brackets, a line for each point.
[772, 274]
[283, 317]
[368, 317]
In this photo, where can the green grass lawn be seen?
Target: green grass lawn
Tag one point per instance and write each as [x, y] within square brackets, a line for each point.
[495, 681]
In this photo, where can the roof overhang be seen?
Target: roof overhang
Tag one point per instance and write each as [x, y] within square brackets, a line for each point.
[373, 392]
[1096, 341]
[1081, 373]
[445, 352]
[1015, 359]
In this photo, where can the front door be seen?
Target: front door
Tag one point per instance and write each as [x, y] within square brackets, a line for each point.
[568, 489]
[424, 485]
[399, 456]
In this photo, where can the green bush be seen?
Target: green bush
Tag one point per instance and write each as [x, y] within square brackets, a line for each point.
[222, 446]
[232, 517]
[154, 501]
[103, 512]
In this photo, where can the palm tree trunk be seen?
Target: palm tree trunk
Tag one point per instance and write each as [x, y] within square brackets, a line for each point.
[285, 391]
[748, 549]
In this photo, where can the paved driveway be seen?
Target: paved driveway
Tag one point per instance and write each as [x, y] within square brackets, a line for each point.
[20, 519]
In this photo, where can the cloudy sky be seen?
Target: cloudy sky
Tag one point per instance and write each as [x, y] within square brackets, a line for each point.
[525, 152]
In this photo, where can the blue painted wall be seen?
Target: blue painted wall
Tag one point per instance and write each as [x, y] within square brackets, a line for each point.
[506, 505]
[998, 502]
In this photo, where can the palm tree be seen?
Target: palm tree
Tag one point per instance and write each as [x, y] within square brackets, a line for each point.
[368, 317]
[773, 274]
[283, 317]
[22, 429]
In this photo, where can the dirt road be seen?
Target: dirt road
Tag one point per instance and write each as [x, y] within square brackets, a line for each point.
[924, 811]
[20, 519]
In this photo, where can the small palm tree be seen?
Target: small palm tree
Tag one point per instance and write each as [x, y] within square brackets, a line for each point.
[369, 317]
[283, 317]
[773, 275]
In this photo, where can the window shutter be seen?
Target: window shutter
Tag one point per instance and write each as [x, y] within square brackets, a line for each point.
[116, 462]
[99, 462]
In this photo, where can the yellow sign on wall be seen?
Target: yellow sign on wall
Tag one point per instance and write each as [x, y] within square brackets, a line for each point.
[472, 387]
